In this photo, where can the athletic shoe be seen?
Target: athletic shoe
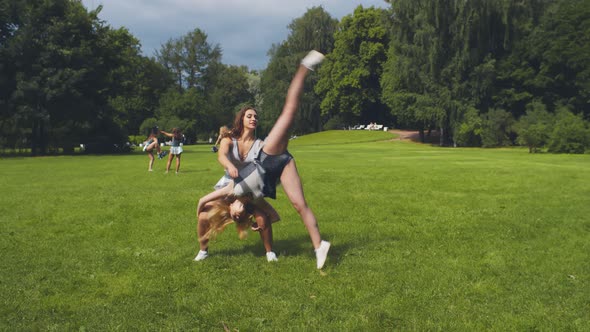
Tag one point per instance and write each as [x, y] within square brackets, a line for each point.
[145, 147]
[321, 253]
[201, 255]
[312, 59]
[271, 256]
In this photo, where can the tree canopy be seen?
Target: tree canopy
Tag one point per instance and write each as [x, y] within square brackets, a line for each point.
[481, 73]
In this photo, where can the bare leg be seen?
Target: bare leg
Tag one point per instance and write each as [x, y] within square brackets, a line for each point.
[153, 145]
[294, 189]
[202, 227]
[278, 138]
[177, 163]
[168, 162]
[151, 163]
[266, 233]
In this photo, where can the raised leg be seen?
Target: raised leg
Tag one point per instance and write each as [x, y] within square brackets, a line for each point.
[278, 138]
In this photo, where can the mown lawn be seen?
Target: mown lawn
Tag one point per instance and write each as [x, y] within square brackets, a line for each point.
[424, 238]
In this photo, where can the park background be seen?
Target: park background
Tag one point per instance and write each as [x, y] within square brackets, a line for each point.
[485, 73]
[466, 231]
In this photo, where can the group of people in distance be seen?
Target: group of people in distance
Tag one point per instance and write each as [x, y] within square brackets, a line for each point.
[253, 169]
[152, 143]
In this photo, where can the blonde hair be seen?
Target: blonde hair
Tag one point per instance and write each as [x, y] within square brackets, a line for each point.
[219, 217]
[224, 131]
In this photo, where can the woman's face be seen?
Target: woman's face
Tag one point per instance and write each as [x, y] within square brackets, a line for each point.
[237, 210]
[250, 119]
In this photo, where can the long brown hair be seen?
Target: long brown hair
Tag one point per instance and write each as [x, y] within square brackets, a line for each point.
[238, 128]
[177, 133]
[219, 217]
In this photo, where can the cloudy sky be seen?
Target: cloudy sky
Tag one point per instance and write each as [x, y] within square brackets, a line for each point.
[245, 29]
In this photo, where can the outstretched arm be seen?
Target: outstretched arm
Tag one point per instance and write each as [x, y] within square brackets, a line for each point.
[166, 133]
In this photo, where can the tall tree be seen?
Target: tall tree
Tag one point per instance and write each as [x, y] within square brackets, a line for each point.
[443, 60]
[230, 90]
[558, 55]
[63, 75]
[189, 58]
[314, 30]
[349, 82]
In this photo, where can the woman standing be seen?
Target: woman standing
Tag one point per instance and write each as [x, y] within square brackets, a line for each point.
[150, 144]
[259, 178]
[175, 148]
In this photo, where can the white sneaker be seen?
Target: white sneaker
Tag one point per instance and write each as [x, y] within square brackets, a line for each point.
[321, 253]
[201, 255]
[312, 59]
[145, 147]
[271, 257]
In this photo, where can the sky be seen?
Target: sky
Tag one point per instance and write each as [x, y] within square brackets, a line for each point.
[244, 29]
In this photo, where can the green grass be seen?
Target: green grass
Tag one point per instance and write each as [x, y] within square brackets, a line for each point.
[424, 238]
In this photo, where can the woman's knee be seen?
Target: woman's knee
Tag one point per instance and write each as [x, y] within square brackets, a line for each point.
[300, 206]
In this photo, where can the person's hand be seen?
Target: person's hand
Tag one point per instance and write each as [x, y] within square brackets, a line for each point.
[232, 171]
[199, 207]
[258, 227]
[312, 59]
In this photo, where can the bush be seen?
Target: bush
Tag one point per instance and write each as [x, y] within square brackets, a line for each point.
[570, 134]
[534, 127]
[136, 139]
[496, 127]
[468, 131]
[335, 122]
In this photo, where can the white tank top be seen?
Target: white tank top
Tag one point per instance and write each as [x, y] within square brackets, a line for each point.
[234, 157]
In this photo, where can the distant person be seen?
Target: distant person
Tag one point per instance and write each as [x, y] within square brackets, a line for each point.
[175, 147]
[152, 143]
[223, 131]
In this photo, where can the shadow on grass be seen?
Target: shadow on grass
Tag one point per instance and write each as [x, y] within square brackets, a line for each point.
[301, 246]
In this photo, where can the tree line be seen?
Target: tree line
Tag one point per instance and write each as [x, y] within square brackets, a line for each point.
[481, 73]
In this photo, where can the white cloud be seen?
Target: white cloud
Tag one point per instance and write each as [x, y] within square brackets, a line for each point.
[245, 29]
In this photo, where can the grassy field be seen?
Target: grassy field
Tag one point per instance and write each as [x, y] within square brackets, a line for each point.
[424, 238]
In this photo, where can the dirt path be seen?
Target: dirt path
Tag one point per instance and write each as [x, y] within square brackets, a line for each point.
[414, 136]
[406, 135]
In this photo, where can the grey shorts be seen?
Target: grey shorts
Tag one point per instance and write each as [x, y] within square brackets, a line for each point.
[273, 167]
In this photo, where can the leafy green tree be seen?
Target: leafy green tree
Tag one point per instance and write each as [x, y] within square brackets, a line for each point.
[207, 92]
[189, 59]
[449, 52]
[62, 76]
[497, 125]
[141, 83]
[314, 30]
[469, 129]
[534, 127]
[570, 133]
[146, 126]
[558, 52]
[349, 83]
[188, 105]
[232, 87]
